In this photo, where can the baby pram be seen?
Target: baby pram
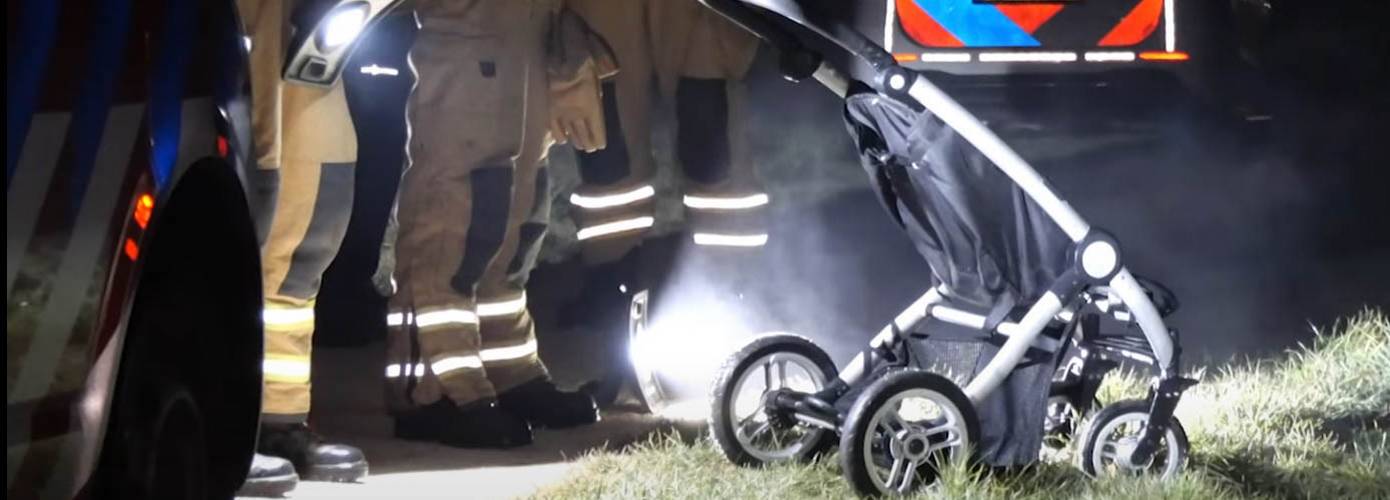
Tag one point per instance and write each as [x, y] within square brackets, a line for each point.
[1010, 331]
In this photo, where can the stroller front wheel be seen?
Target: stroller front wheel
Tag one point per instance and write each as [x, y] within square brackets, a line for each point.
[1109, 437]
[741, 424]
[902, 430]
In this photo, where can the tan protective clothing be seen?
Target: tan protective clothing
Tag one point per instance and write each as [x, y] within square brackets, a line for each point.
[305, 150]
[577, 59]
[473, 204]
[697, 60]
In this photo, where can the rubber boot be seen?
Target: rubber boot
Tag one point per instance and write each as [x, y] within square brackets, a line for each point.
[543, 405]
[480, 426]
[314, 459]
[269, 477]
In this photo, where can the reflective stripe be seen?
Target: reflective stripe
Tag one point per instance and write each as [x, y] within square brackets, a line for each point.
[1121, 56]
[613, 200]
[725, 202]
[509, 353]
[398, 319]
[286, 317]
[1054, 57]
[608, 228]
[502, 307]
[730, 240]
[291, 370]
[445, 317]
[1170, 32]
[394, 371]
[943, 57]
[378, 70]
[452, 363]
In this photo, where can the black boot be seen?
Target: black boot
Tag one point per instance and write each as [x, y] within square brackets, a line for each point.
[480, 426]
[312, 458]
[540, 403]
[269, 477]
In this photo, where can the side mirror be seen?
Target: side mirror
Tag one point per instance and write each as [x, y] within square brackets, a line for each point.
[316, 56]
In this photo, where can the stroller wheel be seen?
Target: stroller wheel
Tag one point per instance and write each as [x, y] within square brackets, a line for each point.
[1109, 436]
[742, 426]
[902, 429]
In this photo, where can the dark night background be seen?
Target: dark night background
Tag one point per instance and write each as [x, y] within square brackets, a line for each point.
[1259, 199]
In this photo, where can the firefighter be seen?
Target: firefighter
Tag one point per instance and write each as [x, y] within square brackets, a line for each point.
[305, 150]
[496, 78]
[697, 60]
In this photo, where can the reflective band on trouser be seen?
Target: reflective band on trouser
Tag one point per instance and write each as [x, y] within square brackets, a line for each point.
[443, 366]
[613, 199]
[403, 367]
[615, 227]
[289, 328]
[737, 202]
[398, 370]
[502, 354]
[428, 319]
[287, 369]
[728, 220]
[435, 356]
[730, 240]
[502, 307]
[509, 347]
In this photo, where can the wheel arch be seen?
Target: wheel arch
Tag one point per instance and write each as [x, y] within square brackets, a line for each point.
[194, 316]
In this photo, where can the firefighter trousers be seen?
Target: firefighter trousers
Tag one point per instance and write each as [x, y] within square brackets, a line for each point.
[697, 60]
[305, 150]
[473, 205]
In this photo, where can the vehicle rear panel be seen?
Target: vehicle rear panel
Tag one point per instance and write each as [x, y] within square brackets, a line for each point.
[88, 152]
[1010, 36]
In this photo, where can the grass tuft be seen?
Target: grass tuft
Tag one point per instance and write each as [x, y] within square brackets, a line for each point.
[1313, 424]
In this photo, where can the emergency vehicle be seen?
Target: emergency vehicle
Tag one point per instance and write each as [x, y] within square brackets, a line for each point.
[133, 330]
[1029, 36]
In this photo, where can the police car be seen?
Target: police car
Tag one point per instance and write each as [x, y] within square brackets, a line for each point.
[133, 333]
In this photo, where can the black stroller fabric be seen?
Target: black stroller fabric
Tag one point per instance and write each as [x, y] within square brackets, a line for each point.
[985, 240]
[983, 237]
[1011, 417]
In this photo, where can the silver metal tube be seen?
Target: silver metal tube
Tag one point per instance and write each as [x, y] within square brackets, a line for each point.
[1146, 315]
[994, 148]
[815, 421]
[832, 78]
[1013, 350]
[971, 320]
[905, 321]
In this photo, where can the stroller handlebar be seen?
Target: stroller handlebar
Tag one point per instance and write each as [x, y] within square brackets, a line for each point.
[799, 61]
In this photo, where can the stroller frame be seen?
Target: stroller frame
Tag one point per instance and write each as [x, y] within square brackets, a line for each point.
[1096, 266]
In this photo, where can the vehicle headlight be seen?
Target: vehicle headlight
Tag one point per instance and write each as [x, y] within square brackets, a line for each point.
[342, 25]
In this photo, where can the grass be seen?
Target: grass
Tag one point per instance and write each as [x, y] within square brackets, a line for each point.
[1314, 424]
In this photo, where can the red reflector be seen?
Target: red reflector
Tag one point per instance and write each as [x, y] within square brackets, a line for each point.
[222, 147]
[1164, 56]
[905, 57]
[144, 206]
[132, 249]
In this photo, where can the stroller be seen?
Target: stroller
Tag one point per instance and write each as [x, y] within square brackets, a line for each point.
[1005, 348]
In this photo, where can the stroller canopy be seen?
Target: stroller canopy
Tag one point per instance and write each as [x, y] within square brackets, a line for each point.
[989, 243]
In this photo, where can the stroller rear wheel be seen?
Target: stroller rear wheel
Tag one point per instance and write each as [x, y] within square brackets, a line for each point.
[902, 430]
[741, 424]
[1108, 438]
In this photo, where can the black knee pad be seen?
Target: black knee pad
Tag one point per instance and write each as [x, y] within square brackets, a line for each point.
[611, 164]
[327, 226]
[702, 129]
[532, 231]
[487, 226]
